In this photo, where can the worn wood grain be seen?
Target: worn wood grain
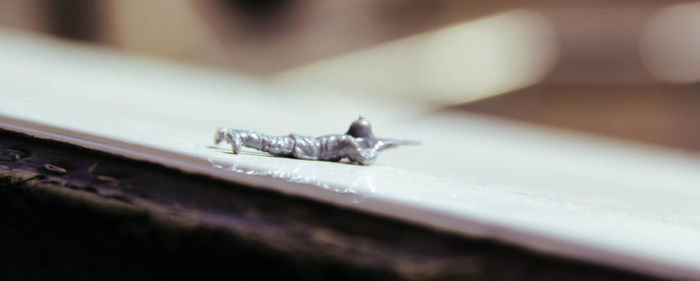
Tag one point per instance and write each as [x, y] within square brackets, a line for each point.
[104, 216]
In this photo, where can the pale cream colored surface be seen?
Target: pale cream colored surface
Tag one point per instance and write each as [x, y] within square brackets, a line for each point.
[459, 63]
[621, 204]
[165, 27]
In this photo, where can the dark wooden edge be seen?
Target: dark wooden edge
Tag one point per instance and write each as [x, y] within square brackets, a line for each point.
[71, 212]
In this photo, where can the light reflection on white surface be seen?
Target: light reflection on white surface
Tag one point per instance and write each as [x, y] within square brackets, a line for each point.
[344, 178]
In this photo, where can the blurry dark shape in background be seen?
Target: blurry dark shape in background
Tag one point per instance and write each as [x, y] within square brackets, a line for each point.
[75, 19]
[260, 14]
[262, 9]
[81, 20]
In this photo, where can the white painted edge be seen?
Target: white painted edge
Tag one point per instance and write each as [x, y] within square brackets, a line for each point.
[465, 225]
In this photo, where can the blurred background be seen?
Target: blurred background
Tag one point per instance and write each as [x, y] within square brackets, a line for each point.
[624, 69]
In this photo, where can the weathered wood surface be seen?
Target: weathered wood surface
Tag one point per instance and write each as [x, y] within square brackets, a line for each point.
[67, 211]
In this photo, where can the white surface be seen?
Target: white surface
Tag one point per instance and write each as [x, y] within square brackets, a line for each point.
[620, 204]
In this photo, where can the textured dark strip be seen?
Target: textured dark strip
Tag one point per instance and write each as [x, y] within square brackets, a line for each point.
[70, 212]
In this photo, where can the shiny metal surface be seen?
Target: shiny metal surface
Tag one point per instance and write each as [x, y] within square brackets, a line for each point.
[358, 145]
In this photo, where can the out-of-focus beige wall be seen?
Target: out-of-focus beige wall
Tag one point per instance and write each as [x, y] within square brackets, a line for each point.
[25, 15]
[168, 28]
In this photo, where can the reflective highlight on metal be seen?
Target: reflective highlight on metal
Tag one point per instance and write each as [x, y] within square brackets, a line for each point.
[358, 145]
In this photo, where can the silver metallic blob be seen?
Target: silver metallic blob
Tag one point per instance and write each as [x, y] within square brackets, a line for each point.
[358, 145]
